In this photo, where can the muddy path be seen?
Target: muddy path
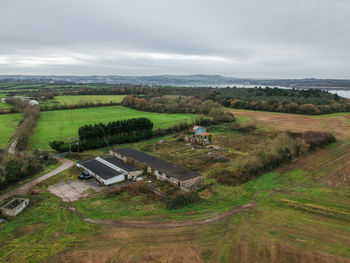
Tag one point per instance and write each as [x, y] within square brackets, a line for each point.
[154, 224]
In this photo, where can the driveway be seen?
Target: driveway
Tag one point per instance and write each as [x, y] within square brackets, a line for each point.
[24, 188]
[73, 190]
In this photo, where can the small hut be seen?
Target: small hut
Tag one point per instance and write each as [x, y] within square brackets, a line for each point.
[14, 207]
[199, 136]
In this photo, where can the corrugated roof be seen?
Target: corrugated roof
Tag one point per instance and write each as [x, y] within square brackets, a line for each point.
[100, 169]
[160, 165]
[120, 163]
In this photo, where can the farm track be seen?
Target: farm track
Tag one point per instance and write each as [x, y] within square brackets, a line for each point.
[24, 188]
[153, 224]
[12, 148]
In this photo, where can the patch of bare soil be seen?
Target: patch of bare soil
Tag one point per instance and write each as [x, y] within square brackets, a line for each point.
[299, 123]
[28, 230]
[267, 251]
[174, 253]
[340, 177]
[70, 191]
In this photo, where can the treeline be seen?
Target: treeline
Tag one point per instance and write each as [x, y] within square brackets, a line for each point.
[292, 107]
[279, 151]
[76, 106]
[310, 101]
[26, 127]
[180, 104]
[100, 135]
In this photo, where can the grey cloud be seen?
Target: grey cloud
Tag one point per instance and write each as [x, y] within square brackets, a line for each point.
[253, 38]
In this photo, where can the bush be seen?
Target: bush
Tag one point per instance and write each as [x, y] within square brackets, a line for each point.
[246, 128]
[140, 187]
[182, 199]
[279, 151]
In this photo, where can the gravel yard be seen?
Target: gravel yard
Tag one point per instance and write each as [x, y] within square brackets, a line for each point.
[74, 190]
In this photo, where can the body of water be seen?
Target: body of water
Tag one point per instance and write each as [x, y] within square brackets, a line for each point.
[341, 93]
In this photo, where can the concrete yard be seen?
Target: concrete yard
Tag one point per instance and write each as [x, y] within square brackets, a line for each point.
[73, 190]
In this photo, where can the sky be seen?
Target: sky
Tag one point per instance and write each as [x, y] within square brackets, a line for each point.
[250, 38]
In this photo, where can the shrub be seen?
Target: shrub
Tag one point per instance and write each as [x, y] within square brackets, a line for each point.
[139, 187]
[182, 199]
[246, 128]
[279, 151]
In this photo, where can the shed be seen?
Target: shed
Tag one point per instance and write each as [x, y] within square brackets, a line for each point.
[15, 206]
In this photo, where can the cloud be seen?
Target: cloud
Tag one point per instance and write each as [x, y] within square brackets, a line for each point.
[254, 38]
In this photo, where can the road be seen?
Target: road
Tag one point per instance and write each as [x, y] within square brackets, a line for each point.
[24, 188]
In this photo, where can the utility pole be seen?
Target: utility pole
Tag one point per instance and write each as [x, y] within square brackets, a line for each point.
[78, 145]
[69, 143]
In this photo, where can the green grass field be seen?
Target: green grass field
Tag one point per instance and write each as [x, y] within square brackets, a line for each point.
[59, 125]
[5, 106]
[83, 99]
[302, 212]
[8, 124]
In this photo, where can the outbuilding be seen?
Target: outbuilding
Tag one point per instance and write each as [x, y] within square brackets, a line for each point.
[163, 170]
[109, 170]
[15, 206]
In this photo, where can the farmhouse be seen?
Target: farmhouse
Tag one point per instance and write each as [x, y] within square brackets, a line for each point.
[109, 170]
[163, 170]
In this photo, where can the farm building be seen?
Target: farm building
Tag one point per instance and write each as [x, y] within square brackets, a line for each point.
[163, 170]
[15, 206]
[199, 136]
[109, 170]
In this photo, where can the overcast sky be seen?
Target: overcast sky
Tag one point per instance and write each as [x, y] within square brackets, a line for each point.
[251, 38]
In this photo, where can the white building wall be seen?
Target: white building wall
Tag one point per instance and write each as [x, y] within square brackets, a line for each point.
[115, 179]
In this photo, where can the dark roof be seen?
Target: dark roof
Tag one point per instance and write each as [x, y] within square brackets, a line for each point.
[162, 166]
[120, 163]
[100, 169]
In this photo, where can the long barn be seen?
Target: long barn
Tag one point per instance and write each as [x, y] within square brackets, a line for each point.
[163, 170]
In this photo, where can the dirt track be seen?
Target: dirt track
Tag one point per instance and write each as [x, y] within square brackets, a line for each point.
[24, 188]
[153, 224]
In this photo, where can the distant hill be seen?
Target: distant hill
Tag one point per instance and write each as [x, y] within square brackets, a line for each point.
[185, 80]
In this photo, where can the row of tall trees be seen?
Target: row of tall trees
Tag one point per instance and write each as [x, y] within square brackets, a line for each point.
[100, 135]
[128, 127]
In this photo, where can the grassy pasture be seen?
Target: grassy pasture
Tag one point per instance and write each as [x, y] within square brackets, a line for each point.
[8, 124]
[58, 125]
[302, 212]
[4, 105]
[82, 99]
